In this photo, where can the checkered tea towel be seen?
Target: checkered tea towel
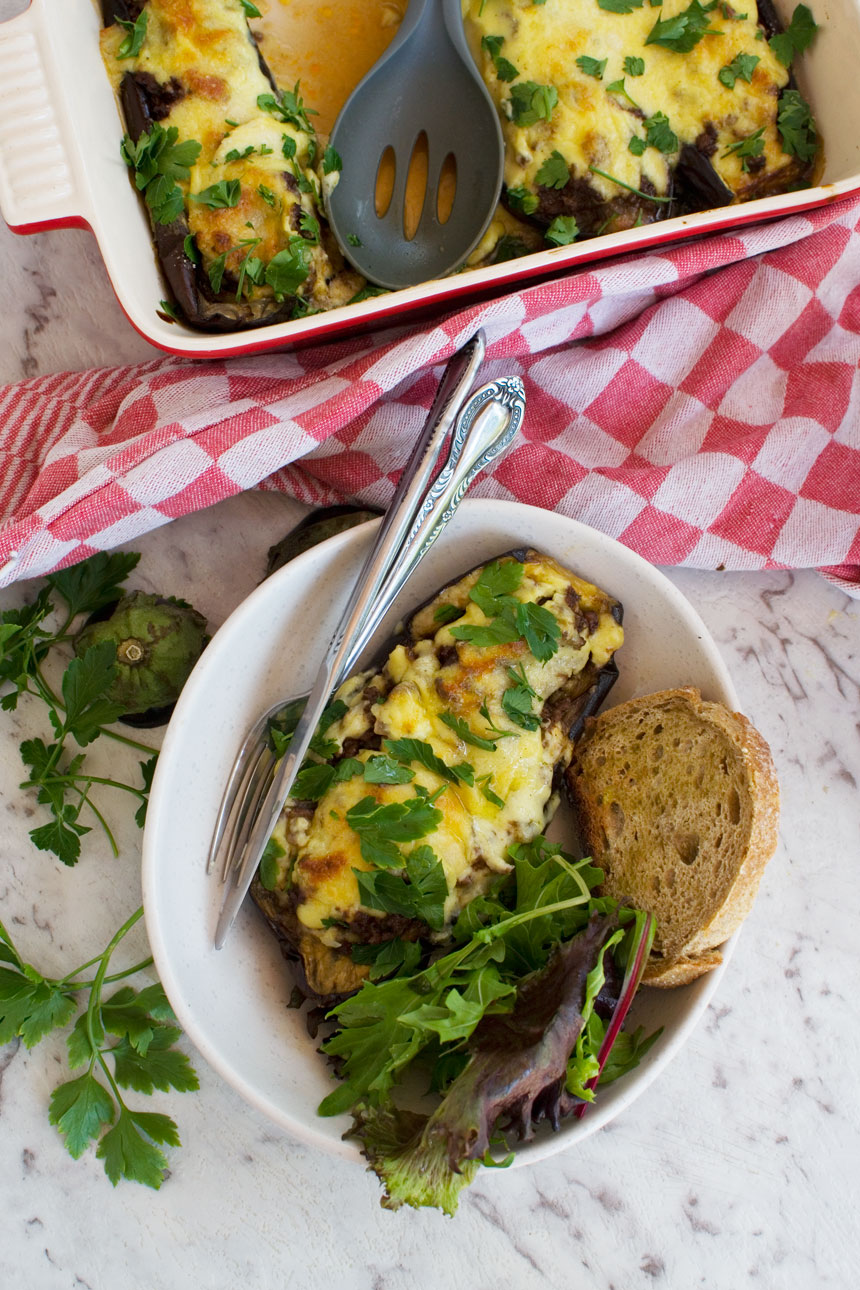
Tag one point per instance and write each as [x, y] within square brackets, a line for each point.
[701, 404]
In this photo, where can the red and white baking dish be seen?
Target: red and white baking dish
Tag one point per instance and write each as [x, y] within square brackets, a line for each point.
[60, 167]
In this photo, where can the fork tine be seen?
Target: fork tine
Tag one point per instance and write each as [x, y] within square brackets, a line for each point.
[254, 788]
[254, 742]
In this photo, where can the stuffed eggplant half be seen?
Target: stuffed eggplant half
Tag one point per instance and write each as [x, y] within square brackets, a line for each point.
[229, 167]
[428, 767]
[617, 114]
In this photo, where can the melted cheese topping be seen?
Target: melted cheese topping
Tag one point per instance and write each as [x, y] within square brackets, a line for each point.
[419, 683]
[590, 126]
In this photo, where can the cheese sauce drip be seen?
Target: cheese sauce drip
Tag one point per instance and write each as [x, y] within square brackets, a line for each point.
[429, 676]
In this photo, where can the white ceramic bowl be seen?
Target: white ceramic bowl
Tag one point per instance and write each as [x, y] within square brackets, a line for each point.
[60, 167]
[233, 1002]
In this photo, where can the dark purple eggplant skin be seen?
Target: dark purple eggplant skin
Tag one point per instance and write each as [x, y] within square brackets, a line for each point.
[143, 105]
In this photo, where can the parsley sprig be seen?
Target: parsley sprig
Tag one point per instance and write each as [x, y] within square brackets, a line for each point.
[80, 712]
[509, 619]
[125, 1041]
[684, 31]
[159, 162]
[798, 35]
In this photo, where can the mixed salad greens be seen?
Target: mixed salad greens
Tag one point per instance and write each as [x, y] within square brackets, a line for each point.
[509, 1025]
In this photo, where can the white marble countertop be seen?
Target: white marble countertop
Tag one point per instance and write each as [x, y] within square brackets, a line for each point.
[739, 1167]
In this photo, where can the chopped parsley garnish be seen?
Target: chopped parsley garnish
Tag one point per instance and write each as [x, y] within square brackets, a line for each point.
[650, 197]
[592, 66]
[658, 134]
[796, 126]
[446, 614]
[190, 248]
[267, 195]
[226, 193]
[509, 248]
[309, 226]
[408, 750]
[531, 102]
[505, 70]
[740, 68]
[619, 6]
[353, 239]
[751, 146]
[422, 894]
[132, 43]
[798, 36]
[331, 160]
[618, 87]
[270, 870]
[382, 828]
[517, 700]
[634, 66]
[522, 201]
[235, 155]
[562, 231]
[387, 770]
[158, 162]
[287, 270]
[683, 32]
[251, 10]
[484, 785]
[510, 619]
[554, 173]
[288, 146]
[637, 145]
[462, 731]
[289, 107]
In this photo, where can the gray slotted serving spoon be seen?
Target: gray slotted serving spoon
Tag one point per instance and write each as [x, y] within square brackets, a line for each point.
[425, 82]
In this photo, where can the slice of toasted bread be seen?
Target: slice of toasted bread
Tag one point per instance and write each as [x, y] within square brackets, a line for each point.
[678, 802]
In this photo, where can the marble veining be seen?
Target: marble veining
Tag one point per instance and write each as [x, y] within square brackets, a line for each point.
[739, 1167]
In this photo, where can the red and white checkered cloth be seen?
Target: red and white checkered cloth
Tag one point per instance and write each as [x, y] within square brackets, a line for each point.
[700, 404]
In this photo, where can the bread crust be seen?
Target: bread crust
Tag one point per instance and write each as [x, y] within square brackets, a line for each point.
[684, 962]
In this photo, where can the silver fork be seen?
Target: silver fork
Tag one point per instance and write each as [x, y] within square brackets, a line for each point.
[485, 429]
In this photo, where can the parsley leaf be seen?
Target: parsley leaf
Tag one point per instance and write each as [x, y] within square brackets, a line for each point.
[331, 160]
[521, 201]
[658, 134]
[388, 958]
[288, 107]
[798, 35]
[796, 126]
[562, 231]
[407, 750]
[619, 6]
[287, 270]
[554, 172]
[592, 66]
[636, 145]
[530, 102]
[505, 70]
[251, 10]
[462, 731]
[133, 42]
[94, 583]
[380, 828]
[226, 193]
[387, 770]
[158, 161]
[517, 700]
[751, 146]
[446, 614]
[634, 66]
[740, 68]
[422, 894]
[683, 32]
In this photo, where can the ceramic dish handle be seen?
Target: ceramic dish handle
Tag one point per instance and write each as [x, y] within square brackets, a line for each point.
[37, 173]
